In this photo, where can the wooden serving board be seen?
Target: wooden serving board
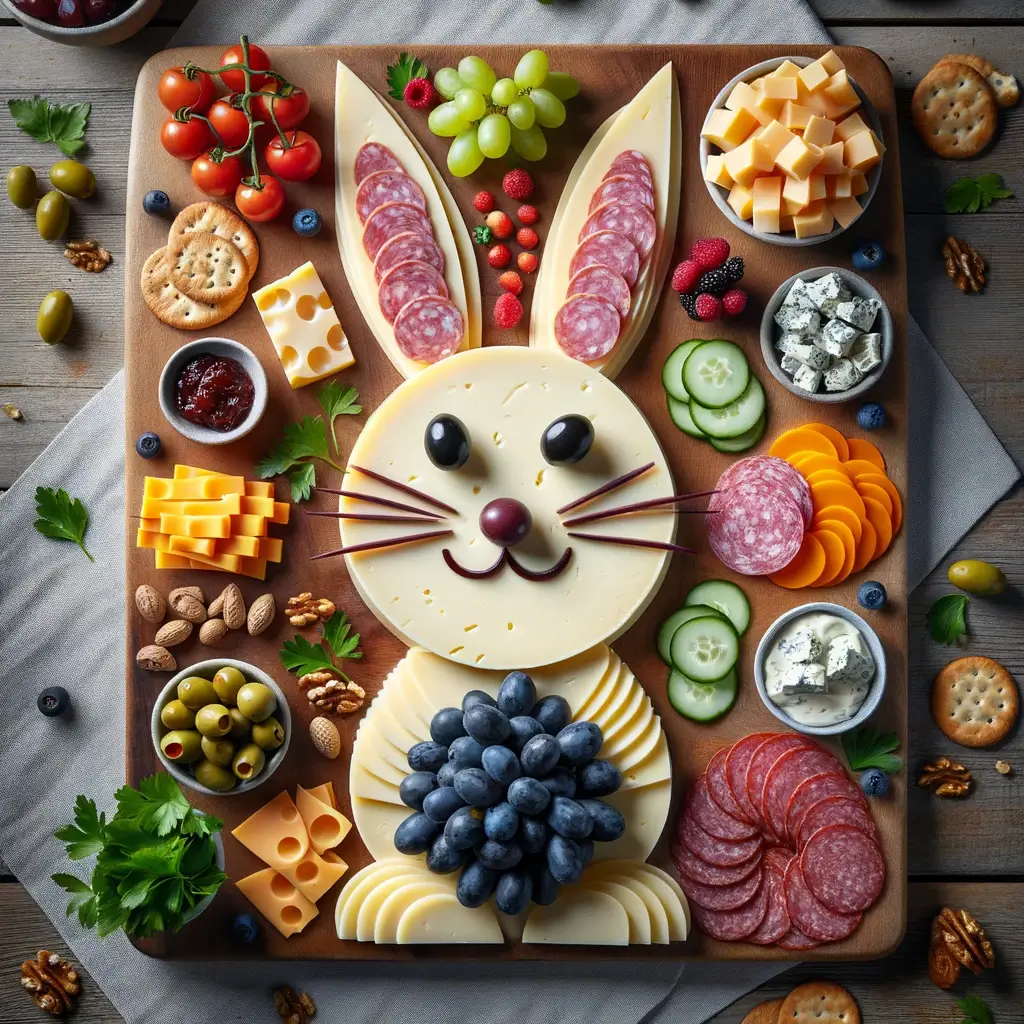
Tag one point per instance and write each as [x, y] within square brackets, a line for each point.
[609, 77]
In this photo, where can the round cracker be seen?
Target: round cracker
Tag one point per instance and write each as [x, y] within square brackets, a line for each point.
[220, 221]
[975, 701]
[764, 1013]
[171, 306]
[982, 65]
[1003, 85]
[206, 267]
[954, 111]
[819, 1002]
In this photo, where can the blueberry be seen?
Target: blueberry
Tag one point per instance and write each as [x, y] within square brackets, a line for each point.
[545, 888]
[53, 701]
[521, 729]
[446, 774]
[446, 726]
[533, 834]
[599, 778]
[477, 788]
[565, 860]
[306, 223]
[414, 787]
[427, 756]
[499, 856]
[586, 850]
[244, 928]
[477, 697]
[501, 822]
[528, 796]
[476, 883]
[486, 725]
[553, 713]
[148, 445]
[501, 764]
[443, 858]
[465, 828]
[608, 823]
[569, 819]
[871, 416]
[517, 694]
[442, 803]
[580, 742]
[465, 752]
[868, 256]
[416, 833]
[156, 202]
[874, 782]
[872, 595]
[540, 755]
[515, 887]
[561, 782]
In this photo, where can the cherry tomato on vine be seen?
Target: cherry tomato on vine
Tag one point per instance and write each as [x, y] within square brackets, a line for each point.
[217, 179]
[185, 139]
[175, 90]
[290, 110]
[301, 159]
[235, 79]
[229, 122]
[263, 203]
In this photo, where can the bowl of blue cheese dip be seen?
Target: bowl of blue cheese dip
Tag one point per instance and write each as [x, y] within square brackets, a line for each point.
[820, 669]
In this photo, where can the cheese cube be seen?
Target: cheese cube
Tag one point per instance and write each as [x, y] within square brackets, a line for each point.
[768, 104]
[326, 826]
[814, 76]
[812, 356]
[866, 353]
[833, 159]
[788, 341]
[747, 161]
[278, 901]
[861, 152]
[860, 184]
[786, 222]
[831, 62]
[728, 128]
[742, 202]
[842, 376]
[795, 116]
[817, 219]
[850, 126]
[801, 320]
[841, 91]
[715, 171]
[796, 195]
[827, 290]
[807, 379]
[802, 647]
[819, 131]
[798, 159]
[767, 204]
[743, 97]
[790, 364]
[839, 186]
[859, 312]
[775, 136]
[849, 660]
[845, 210]
[837, 338]
[798, 295]
[801, 679]
[780, 88]
[787, 69]
[303, 326]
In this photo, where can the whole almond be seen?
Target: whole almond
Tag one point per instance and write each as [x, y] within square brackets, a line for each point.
[151, 605]
[196, 592]
[261, 614]
[156, 659]
[216, 606]
[188, 606]
[233, 610]
[212, 631]
[325, 736]
[172, 633]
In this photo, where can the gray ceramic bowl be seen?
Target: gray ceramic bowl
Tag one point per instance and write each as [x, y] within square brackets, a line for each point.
[218, 842]
[208, 669]
[719, 194]
[874, 697]
[135, 17]
[219, 347]
[770, 331]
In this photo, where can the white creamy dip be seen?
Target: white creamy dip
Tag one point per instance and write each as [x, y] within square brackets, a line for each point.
[819, 670]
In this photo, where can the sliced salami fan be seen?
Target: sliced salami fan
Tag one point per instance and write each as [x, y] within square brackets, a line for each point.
[844, 868]
[405, 282]
[389, 220]
[795, 941]
[587, 327]
[690, 865]
[712, 818]
[767, 469]
[785, 775]
[631, 162]
[373, 157]
[809, 914]
[611, 249]
[736, 762]
[723, 897]
[387, 187]
[816, 788]
[429, 328]
[407, 245]
[711, 850]
[599, 279]
[756, 534]
[835, 810]
[637, 223]
[776, 920]
[626, 188]
[718, 786]
[761, 762]
[733, 925]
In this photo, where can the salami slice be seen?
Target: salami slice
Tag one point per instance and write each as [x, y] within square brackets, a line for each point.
[373, 157]
[387, 187]
[771, 470]
[611, 249]
[795, 941]
[405, 282]
[844, 868]
[587, 327]
[711, 850]
[723, 897]
[626, 188]
[718, 786]
[809, 914]
[835, 810]
[598, 279]
[785, 776]
[733, 925]
[631, 162]
[429, 328]
[756, 535]
[407, 245]
[761, 762]
[389, 220]
[636, 222]
[816, 788]
[736, 762]
[776, 920]
[778, 857]
[712, 818]
[694, 868]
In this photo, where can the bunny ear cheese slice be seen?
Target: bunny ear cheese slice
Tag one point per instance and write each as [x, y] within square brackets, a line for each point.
[638, 146]
[370, 139]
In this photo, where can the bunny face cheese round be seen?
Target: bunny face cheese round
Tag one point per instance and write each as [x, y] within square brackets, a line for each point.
[501, 574]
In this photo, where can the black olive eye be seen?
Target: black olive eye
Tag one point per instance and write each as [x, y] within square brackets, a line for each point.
[567, 440]
[447, 442]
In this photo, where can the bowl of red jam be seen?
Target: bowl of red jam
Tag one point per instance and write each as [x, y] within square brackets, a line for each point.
[213, 390]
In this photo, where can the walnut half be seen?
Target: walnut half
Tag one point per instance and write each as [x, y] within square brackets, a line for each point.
[957, 940]
[963, 265]
[292, 1008]
[946, 777]
[51, 982]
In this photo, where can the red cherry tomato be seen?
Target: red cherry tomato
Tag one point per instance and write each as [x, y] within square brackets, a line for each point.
[263, 203]
[217, 179]
[301, 160]
[235, 79]
[290, 110]
[229, 122]
[185, 139]
[175, 90]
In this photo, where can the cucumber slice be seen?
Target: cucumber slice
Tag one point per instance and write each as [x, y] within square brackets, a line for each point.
[680, 414]
[702, 702]
[672, 371]
[716, 373]
[705, 649]
[668, 628]
[730, 445]
[725, 597]
[732, 420]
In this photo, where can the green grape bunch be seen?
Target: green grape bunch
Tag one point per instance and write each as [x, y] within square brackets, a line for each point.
[484, 115]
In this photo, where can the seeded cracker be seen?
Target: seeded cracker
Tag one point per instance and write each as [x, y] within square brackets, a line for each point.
[220, 221]
[764, 1013]
[819, 1002]
[975, 701]
[954, 111]
[1003, 85]
[175, 308]
[206, 267]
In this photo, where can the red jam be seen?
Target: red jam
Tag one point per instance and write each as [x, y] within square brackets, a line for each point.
[215, 392]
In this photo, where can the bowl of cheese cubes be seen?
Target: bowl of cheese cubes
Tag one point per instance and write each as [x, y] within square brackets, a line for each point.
[826, 335]
[791, 150]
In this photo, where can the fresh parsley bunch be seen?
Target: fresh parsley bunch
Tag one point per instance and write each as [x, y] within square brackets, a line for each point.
[155, 860]
[947, 619]
[869, 748]
[63, 124]
[975, 1010]
[969, 195]
[298, 655]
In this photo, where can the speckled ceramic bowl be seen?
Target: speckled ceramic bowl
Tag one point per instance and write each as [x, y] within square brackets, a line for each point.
[105, 33]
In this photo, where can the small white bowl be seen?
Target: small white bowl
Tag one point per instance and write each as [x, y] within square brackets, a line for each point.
[770, 331]
[103, 33]
[719, 194]
[218, 347]
[207, 669]
[875, 693]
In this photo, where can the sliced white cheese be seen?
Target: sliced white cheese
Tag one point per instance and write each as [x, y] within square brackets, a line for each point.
[633, 905]
[604, 873]
[579, 917]
[388, 915]
[441, 919]
[360, 885]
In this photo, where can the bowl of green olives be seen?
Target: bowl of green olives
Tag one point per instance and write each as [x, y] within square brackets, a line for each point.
[221, 726]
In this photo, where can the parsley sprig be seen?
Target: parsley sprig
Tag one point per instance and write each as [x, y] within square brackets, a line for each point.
[947, 619]
[402, 72]
[975, 1010]
[869, 748]
[969, 195]
[61, 517]
[63, 124]
[298, 655]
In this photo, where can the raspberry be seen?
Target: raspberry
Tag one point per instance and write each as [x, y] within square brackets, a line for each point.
[527, 238]
[686, 275]
[511, 282]
[508, 310]
[484, 202]
[517, 183]
[710, 252]
[420, 94]
[708, 307]
[499, 256]
[715, 282]
[734, 301]
[527, 262]
[500, 224]
[689, 303]
[734, 268]
[527, 214]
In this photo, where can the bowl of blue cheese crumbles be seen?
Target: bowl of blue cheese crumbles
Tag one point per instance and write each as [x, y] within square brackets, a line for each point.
[826, 335]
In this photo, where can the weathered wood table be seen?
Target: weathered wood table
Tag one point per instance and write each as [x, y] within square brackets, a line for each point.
[962, 853]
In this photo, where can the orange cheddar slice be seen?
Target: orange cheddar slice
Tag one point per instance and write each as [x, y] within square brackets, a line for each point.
[879, 480]
[195, 489]
[247, 546]
[226, 563]
[879, 519]
[191, 546]
[196, 526]
[247, 526]
[165, 560]
[866, 546]
[837, 439]
[251, 505]
[833, 493]
[821, 475]
[845, 534]
[282, 513]
[873, 491]
[255, 568]
[861, 449]
[842, 514]
[835, 557]
[153, 525]
[271, 549]
[801, 439]
[228, 505]
[805, 568]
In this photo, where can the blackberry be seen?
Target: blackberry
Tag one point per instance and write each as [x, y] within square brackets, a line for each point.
[714, 282]
[689, 303]
[733, 267]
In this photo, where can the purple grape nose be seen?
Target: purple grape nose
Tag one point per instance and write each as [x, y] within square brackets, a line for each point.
[505, 521]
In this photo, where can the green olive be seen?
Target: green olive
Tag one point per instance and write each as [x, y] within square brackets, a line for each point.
[54, 317]
[195, 692]
[268, 734]
[182, 745]
[52, 215]
[220, 752]
[977, 577]
[213, 721]
[175, 715]
[213, 776]
[73, 178]
[241, 727]
[227, 682]
[21, 186]
[248, 762]
[256, 701]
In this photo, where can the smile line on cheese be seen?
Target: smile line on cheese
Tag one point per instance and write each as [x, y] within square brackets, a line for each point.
[506, 557]
[612, 485]
[373, 545]
[640, 506]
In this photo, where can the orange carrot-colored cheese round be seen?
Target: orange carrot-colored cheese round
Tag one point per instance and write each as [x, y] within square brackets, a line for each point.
[835, 557]
[861, 449]
[821, 475]
[845, 534]
[805, 568]
[798, 440]
[867, 545]
[844, 515]
[811, 462]
[880, 520]
[866, 490]
[858, 467]
[832, 493]
[894, 496]
[837, 439]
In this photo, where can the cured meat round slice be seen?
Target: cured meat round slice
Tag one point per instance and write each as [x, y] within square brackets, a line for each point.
[713, 819]
[405, 282]
[809, 914]
[776, 920]
[736, 762]
[733, 925]
[768, 469]
[598, 279]
[844, 868]
[710, 849]
[723, 897]
[718, 785]
[778, 857]
[611, 249]
[626, 188]
[389, 220]
[694, 868]
[785, 775]
[761, 762]
[630, 162]
[373, 157]
[637, 223]
[587, 327]
[407, 245]
[387, 187]
[835, 810]
[816, 788]
[795, 941]
[429, 328]
[756, 534]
